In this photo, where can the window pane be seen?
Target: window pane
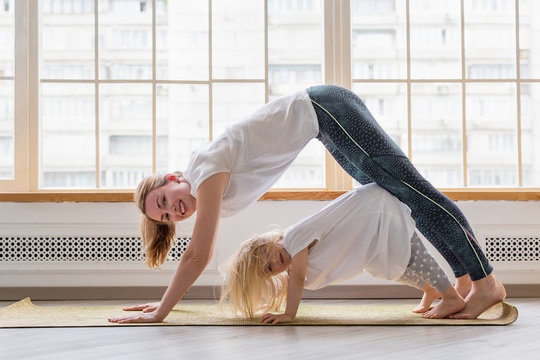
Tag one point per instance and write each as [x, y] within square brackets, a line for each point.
[530, 133]
[182, 40]
[6, 129]
[67, 39]
[182, 123]
[388, 105]
[435, 39]
[125, 133]
[295, 49]
[233, 103]
[490, 39]
[7, 38]
[379, 46]
[529, 44]
[125, 39]
[295, 57]
[307, 170]
[67, 136]
[437, 133]
[238, 39]
[492, 134]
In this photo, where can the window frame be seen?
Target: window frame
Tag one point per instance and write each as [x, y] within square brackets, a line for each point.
[21, 128]
[337, 70]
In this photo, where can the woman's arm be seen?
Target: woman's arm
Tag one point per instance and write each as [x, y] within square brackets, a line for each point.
[295, 287]
[198, 254]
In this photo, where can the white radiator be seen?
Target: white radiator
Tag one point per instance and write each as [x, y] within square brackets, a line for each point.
[79, 249]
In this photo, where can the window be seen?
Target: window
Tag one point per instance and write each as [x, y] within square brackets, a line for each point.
[120, 89]
[110, 75]
[460, 105]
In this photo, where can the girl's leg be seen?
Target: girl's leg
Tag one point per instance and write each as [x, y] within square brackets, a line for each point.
[348, 129]
[424, 272]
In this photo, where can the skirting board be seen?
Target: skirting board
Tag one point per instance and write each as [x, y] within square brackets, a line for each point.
[212, 292]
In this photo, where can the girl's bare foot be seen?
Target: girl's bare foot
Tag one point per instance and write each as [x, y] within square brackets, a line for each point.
[451, 303]
[485, 293]
[430, 295]
[463, 285]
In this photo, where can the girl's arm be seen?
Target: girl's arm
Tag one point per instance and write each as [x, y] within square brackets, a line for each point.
[198, 254]
[295, 287]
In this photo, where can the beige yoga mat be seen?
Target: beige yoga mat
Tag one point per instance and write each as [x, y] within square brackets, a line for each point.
[25, 314]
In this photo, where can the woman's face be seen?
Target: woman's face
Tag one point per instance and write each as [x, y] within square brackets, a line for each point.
[170, 202]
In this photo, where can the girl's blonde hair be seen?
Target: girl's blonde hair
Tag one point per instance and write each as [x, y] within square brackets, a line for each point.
[248, 288]
[157, 237]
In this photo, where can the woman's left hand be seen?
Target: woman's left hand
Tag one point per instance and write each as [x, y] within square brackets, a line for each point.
[276, 318]
[149, 317]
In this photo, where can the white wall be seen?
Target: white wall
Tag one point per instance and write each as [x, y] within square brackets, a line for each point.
[488, 218]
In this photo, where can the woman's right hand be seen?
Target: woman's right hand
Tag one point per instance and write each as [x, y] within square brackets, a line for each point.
[149, 307]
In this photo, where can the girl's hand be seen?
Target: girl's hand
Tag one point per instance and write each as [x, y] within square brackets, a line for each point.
[276, 318]
[147, 317]
[144, 307]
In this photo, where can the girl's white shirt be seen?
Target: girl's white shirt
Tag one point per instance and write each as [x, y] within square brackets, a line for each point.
[255, 151]
[364, 229]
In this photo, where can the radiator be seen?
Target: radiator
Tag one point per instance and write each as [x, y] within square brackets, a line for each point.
[513, 248]
[118, 260]
[76, 249]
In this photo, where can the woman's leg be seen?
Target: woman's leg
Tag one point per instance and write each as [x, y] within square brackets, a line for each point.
[362, 178]
[347, 128]
[352, 170]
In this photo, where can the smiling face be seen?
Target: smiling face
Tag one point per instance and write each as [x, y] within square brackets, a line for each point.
[278, 259]
[171, 202]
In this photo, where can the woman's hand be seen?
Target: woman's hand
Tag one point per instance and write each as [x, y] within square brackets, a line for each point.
[276, 318]
[144, 307]
[145, 317]
[149, 314]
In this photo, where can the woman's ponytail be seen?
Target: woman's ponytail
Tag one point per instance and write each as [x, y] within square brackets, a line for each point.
[157, 237]
[157, 240]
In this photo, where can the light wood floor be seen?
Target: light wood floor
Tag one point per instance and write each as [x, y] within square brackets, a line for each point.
[520, 340]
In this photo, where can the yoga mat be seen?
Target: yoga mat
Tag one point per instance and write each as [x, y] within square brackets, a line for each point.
[24, 314]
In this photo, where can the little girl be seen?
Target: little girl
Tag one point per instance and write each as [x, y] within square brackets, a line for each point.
[365, 229]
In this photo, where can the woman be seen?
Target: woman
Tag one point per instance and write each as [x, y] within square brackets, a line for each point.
[234, 170]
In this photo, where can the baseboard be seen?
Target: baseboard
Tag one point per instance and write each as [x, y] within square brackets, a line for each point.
[212, 292]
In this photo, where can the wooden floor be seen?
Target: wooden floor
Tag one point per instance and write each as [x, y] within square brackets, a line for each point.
[521, 340]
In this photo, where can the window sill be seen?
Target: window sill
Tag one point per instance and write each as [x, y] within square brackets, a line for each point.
[127, 196]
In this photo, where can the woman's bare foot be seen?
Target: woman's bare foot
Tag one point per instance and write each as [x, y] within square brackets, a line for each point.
[451, 303]
[430, 295]
[484, 293]
[463, 285]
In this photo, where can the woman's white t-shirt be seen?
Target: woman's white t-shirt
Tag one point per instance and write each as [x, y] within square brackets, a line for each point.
[364, 229]
[255, 151]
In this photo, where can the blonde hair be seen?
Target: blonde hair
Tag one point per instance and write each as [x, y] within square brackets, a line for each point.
[157, 237]
[249, 290]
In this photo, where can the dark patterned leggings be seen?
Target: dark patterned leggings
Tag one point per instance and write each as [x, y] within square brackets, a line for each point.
[368, 154]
